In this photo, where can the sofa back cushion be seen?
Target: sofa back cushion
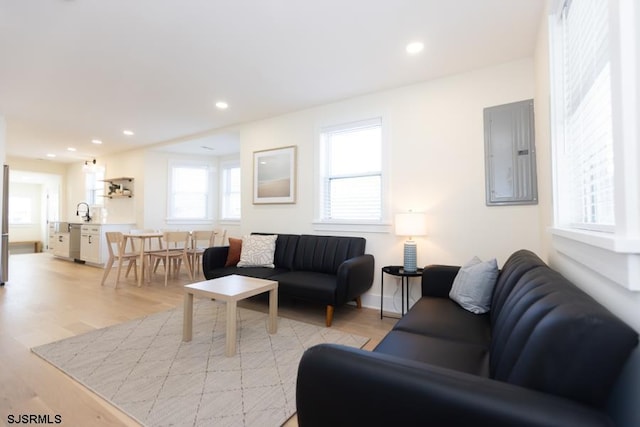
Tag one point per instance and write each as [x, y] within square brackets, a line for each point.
[286, 245]
[518, 264]
[552, 337]
[324, 254]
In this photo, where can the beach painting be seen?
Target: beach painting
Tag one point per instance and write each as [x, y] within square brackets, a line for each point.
[274, 174]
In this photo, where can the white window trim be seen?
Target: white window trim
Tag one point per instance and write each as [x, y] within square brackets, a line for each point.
[614, 254]
[382, 226]
[223, 166]
[198, 221]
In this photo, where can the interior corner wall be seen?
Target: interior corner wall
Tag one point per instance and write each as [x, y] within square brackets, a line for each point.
[436, 162]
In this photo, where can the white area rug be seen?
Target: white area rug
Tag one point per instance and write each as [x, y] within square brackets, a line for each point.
[143, 367]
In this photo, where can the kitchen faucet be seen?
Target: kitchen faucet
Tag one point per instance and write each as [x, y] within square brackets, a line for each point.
[86, 215]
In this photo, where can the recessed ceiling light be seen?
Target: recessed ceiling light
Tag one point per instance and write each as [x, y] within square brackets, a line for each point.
[51, 155]
[96, 141]
[222, 105]
[414, 48]
[128, 132]
[71, 149]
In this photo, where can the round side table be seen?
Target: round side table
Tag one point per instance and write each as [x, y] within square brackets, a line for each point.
[398, 271]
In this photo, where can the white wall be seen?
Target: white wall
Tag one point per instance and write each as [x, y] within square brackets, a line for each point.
[436, 165]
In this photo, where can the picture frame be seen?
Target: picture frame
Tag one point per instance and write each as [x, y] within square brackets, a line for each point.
[274, 175]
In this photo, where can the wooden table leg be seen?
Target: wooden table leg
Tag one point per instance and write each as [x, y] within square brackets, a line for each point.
[187, 320]
[272, 326]
[230, 347]
[142, 262]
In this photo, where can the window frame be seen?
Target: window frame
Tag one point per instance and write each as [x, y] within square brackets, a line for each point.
[193, 164]
[225, 167]
[94, 181]
[28, 219]
[320, 223]
[613, 252]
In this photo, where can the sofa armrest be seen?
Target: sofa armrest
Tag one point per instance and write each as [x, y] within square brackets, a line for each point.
[437, 280]
[354, 278]
[213, 258]
[343, 386]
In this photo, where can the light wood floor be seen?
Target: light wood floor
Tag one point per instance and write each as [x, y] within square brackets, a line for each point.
[47, 299]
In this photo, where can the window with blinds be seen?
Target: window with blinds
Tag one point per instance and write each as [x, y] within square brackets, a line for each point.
[189, 191]
[351, 172]
[231, 197]
[586, 155]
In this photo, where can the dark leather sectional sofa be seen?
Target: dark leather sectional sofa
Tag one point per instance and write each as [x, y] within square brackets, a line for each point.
[331, 270]
[546, 354]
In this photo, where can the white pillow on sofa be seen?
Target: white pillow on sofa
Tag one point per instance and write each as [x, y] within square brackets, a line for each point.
[473, 285]
[258, 251]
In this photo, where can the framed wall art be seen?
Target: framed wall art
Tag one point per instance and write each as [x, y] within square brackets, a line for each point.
[274, 176]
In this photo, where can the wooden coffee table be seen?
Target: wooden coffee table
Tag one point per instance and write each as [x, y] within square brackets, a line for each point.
[230, 289]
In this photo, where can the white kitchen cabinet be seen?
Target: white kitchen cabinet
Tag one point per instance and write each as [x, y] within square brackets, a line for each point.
[61, 246]
[93, 246]
[90, 250]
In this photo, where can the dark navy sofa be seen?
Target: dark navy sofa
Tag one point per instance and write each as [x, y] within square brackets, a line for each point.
[330, 270]
[546, 354]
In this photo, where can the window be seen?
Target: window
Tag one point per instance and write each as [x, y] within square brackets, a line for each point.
[584, 105]
[189, 191]
[230, 191]
[20, 210]
[94, 185]
[595, 108]
[351, 173]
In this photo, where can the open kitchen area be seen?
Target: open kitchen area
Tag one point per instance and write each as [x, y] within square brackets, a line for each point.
[68, 208]
[85, 240]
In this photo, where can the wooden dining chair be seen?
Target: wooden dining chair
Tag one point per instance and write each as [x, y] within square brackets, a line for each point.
[221, 237]
[116, 245]
[175, 244]
[200, 240]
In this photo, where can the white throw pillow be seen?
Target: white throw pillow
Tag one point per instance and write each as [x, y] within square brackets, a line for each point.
[473, 285]
[258, 251]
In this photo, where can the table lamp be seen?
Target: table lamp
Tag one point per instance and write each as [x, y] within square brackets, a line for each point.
[410, 224]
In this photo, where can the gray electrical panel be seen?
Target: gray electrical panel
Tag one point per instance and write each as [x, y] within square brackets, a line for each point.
[510, 155]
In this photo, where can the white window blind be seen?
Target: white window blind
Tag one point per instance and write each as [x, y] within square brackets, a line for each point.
[351, 165]
[189, 192]
[94, 186]
[587, 155]
[231, 200]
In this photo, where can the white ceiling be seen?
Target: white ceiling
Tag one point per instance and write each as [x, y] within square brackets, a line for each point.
[75, 70]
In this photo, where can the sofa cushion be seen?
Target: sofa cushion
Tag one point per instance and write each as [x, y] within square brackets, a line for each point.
[518, 264]
[443, 318]
[258, 251]
[317, 287]
[257, 272]
[324, 254]
[460, 356]
[473, 285]
[552, 337]
[235, 248]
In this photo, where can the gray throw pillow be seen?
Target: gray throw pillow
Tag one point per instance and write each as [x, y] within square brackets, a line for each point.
[473, 285]
[258, 251]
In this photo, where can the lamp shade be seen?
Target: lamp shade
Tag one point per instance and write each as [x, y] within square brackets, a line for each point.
[411, 224]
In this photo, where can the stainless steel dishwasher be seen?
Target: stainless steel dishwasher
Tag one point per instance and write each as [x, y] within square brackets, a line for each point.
[74, 241]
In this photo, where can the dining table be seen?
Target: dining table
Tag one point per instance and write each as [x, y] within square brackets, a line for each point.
[143, 238]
